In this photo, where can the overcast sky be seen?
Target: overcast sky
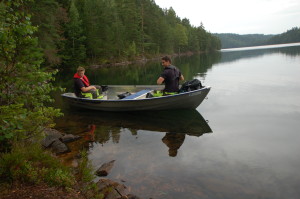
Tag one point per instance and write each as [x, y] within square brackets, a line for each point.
[238, 16]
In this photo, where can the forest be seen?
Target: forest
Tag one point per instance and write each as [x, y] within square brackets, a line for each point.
[74, 32]
[231, 40]
[290, 36]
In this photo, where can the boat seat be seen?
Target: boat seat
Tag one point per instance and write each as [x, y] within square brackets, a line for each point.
[138, 94]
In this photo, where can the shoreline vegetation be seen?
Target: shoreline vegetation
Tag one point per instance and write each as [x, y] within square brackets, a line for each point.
[37, 171]
[230, 40]
[44, 176]
[142, 60]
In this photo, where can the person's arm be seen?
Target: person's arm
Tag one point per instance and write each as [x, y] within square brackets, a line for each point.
[160, 80]
[86, 89]
[181, 77]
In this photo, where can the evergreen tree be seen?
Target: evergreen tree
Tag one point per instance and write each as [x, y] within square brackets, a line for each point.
[95, 26]
[193, 42]
[74, 52]
[114, 33]
[46, 16]
[181, 37]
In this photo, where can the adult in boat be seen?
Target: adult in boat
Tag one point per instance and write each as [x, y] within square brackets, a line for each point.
[170, 77]
[82, 86]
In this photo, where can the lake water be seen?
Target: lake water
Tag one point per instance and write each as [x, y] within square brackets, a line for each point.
[241, 142]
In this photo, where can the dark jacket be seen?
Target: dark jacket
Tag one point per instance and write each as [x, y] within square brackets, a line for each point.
[171, 74]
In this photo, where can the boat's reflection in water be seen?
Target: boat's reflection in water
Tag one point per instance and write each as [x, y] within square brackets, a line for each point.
[105, 126]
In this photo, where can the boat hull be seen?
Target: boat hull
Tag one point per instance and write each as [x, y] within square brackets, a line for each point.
[187, 100]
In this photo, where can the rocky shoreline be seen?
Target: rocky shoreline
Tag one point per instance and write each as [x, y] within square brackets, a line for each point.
[56, 142]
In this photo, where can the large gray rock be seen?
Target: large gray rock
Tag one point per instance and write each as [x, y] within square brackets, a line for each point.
[114, 190]
[55, 140]
[54, 132]
[111, 189]
[59, 147]
[69, 138]
[51, 136]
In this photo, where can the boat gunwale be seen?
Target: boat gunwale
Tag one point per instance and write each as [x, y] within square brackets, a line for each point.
[124, 100]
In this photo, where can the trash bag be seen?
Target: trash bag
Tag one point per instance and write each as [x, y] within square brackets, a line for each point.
[104, 88]
[191, 85]
[149, 95]
[123, 95]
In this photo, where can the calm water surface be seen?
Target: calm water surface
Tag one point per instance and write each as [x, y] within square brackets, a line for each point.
[242, 142]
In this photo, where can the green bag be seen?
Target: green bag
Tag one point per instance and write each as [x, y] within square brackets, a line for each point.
[93, 94]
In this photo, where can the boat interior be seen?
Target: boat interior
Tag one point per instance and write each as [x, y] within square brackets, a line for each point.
[125, 92]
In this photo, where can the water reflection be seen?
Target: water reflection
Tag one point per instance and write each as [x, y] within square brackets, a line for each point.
[195, 66]
[102, 127]
[141, 74]
[89, 136]
[174, 142]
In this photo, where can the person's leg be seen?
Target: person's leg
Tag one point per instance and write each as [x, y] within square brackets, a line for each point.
[157, 93]
[86, 95]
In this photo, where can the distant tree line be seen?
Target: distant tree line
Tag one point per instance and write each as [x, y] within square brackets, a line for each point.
[73, 32]
[230, 40]
[290, 36]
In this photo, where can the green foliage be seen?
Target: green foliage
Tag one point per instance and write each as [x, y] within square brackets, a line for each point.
[181, 36]
[47, 16]
[30, 164]
[85, 175]
[131, 52]
[80, 31]
[74, 53]
[72, 32]
[290, 36]
[18, 123]
[230, 40]
[24, 86]
[94, 14]
[85, 169]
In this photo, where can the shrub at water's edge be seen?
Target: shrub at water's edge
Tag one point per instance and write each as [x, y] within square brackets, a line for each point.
[29, 164]
[24, 91]
[24, 85]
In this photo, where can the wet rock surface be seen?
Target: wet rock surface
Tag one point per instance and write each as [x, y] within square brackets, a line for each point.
[105, 168]
[51, 136]
[69, 138]
[114, 190]
[56, 140]
[59, 147]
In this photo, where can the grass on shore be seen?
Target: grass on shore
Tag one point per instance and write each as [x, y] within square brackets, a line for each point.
[31, 165]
